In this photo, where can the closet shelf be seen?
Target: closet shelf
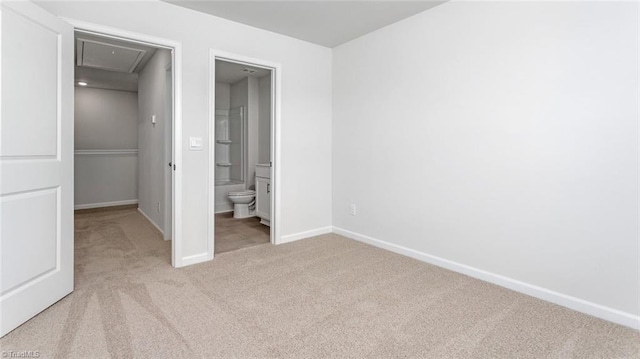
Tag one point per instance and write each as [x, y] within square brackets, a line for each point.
[223, 164]
[224, 142]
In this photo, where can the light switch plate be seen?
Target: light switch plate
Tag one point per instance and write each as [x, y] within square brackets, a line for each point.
[195, 143]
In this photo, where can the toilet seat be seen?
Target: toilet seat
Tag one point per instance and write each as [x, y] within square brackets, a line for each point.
[249, 192]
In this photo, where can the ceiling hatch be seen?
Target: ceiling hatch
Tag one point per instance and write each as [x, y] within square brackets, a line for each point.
[109, 57]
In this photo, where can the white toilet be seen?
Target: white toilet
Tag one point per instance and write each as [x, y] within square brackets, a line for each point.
[244, 203]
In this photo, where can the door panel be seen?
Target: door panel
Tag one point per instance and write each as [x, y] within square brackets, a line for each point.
[36, 163]
[36, 132]
[23, 261]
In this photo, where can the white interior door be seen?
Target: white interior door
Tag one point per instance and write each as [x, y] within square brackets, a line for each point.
[36, 162]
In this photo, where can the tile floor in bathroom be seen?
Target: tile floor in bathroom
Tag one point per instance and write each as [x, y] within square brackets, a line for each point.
[232, 234]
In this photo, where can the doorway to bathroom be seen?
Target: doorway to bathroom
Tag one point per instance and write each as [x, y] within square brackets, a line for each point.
[243, 152]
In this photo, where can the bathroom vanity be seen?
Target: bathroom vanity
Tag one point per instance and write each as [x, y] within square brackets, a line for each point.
[263, 193]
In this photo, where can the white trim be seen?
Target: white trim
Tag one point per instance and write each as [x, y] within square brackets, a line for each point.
[176, 236]
[167, 155]
[105, 204]
[106, 152]
[120, 34]
[577, 304]
[176, 57]
[150, 221]
[211, 126]
[306, 234]
[276, 96]
[195, 259]
[276, 105]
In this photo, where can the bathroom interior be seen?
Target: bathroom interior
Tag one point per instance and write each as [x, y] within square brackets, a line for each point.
[243, 185]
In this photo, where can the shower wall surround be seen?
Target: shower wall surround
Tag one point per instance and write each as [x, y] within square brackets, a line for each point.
[230, 152]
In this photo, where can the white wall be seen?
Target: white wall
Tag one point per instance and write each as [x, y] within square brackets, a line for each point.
[223, 96]
[264, 119]
[105, 124]
[306, 105]
[152, 165]
[501, 136]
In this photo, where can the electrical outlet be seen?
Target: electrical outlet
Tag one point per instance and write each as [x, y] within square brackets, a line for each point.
[158, 206]
[352, 210]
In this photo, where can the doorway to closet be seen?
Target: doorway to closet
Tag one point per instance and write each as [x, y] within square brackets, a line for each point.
[123, 139]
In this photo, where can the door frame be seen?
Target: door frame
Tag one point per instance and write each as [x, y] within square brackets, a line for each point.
[168, 158]
[176, 63]
[276, 95]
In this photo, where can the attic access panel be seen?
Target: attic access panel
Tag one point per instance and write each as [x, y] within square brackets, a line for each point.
[109, 57]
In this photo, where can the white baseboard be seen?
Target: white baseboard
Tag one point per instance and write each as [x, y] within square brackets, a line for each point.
[105, 204]
[194, 259]
[150, 221]
[577, 304]
[306, 234]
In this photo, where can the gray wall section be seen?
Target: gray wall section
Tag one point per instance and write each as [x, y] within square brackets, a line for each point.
[239, 97]
[252, 131]
[102, 180]
[151, 138]
[105, 120]
[245, 93]
[264, 119]
[223, 96]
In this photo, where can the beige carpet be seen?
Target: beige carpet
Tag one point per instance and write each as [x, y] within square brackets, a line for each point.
[317, 298]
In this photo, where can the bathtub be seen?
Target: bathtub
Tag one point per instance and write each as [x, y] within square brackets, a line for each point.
[223, 187]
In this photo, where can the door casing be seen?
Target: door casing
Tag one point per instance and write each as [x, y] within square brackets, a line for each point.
[177, 260]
